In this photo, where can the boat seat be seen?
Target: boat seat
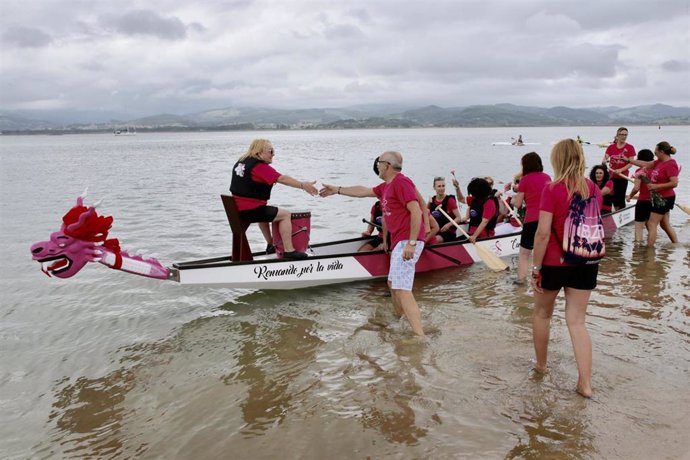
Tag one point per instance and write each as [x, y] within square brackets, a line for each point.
[240, 246]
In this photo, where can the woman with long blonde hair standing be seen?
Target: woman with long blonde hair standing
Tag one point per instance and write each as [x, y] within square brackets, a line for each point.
[556, 267]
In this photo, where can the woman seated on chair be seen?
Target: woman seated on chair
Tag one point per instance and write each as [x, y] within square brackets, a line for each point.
[253, 178]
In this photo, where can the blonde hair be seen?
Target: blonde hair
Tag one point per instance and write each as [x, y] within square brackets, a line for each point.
[568, 161]
[255, 148]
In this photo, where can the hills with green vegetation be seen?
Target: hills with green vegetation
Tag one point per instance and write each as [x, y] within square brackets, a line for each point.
[356, 117]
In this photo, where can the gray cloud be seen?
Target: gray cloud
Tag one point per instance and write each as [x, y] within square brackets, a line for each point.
[306, 53]
[26, 37]
[146, 22]
[676, 66]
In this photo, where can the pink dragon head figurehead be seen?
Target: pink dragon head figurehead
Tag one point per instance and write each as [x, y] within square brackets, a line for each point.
[83, 238]
[74, 245]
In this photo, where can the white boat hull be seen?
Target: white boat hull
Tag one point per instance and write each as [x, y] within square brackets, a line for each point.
[338, 262]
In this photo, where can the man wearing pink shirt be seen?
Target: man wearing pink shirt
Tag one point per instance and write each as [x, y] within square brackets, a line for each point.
[402, 217]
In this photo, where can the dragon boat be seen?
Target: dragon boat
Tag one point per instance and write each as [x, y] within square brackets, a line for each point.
[83, 238]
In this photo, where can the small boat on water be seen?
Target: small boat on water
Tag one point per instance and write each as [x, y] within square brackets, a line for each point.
[515, 144]
[128, 131]
[83, 238]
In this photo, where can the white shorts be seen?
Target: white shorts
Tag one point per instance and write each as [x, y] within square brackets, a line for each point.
[401, 273]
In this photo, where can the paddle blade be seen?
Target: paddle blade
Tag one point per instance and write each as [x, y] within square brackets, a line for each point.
[684, 208]
[490, 259]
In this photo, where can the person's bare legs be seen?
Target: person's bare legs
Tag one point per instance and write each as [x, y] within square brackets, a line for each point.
[652, 228]
[639, 228]
[541, 326]
[410, 309]
[265, 228]
[397, 308]
[284, 219]
[575, 316]
[523, 264]
[665, 225]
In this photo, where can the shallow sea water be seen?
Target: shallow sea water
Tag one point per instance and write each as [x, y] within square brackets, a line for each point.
[110, 365]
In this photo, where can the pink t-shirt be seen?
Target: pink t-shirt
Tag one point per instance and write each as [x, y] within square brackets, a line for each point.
[616, 156]
[554, 200]
[394, 197]
[644, 191]
[531, 185]
[663, 171]
[263, 173]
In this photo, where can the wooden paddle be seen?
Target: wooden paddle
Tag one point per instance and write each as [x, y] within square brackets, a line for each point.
[489, 258]
[513, 212]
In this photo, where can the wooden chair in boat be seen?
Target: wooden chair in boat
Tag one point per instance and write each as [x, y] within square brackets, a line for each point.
[240, 246]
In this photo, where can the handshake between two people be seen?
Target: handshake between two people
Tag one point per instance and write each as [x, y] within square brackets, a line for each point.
[326, 189]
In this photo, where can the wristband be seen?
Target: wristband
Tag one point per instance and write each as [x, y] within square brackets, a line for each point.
[339, 189]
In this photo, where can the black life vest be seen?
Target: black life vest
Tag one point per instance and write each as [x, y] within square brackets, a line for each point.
[378, 214]
[242, 183]
[438, 215]
[477, 210]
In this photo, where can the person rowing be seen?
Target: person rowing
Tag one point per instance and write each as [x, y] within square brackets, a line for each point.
[449, 204]
[483, 209]
[518, 141]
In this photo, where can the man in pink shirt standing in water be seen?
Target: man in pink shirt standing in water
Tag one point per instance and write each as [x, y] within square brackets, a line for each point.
[402, 217]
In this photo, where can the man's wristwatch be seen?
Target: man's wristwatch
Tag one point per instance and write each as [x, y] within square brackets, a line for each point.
[536, 268]
[412, 242]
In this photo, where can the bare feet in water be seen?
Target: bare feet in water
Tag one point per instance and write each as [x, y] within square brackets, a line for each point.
[584, 392]
[539, 369]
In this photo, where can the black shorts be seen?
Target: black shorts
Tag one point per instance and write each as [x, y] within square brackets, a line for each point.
[447, 236]
[571, 276]
[643, 208]
[261, 214]
[670, 202]
[527, 237]
[376, 241]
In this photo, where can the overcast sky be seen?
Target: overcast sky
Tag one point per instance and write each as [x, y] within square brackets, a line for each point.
[183, 56]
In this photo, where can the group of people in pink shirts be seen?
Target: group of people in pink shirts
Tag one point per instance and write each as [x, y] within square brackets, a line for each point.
[548, 204]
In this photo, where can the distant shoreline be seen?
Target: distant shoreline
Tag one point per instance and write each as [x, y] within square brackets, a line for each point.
[249, 127]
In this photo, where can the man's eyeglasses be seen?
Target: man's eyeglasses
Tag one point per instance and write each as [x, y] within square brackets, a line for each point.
[383, 161]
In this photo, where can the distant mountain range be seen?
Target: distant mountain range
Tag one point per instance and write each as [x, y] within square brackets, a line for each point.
[362, 116]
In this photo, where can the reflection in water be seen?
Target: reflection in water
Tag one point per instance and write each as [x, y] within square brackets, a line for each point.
[90, 411]
[554, 429]
[89, 414]
[387, 406]
[277, 369]
[268, 362]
